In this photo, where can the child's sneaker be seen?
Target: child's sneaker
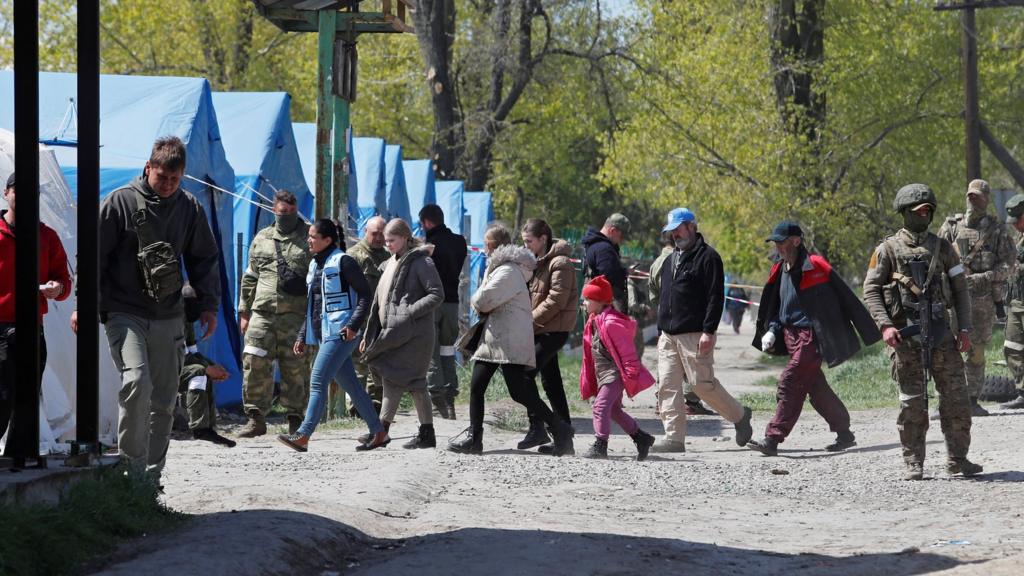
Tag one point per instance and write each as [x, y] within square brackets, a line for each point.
[643, 442]
[598, 450]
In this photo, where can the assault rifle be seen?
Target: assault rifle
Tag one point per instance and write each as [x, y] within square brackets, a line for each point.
[931, 314]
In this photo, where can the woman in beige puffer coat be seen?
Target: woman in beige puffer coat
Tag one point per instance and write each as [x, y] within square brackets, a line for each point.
[507, 343]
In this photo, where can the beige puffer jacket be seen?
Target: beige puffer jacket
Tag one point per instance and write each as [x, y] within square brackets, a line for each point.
[505, 299]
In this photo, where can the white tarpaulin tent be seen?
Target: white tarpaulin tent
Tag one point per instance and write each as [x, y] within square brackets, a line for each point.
[58, 211]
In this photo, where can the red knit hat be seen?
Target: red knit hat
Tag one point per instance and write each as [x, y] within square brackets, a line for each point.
[598, 290]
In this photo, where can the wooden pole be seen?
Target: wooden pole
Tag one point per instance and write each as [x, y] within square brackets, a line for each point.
[324, 111]
[969, 57]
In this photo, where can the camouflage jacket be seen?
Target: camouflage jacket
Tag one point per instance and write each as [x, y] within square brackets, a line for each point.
[1016, 293]
[369, 260]
[887, 299]
[986, 252]
[259, 283]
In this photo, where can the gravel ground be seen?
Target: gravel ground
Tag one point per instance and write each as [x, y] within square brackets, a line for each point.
[718, 508]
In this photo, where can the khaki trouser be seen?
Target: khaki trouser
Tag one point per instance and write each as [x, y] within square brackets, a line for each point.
[149, 354]
[678, 361]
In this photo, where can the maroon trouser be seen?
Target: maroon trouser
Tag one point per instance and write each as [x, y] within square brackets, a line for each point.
[801, 378]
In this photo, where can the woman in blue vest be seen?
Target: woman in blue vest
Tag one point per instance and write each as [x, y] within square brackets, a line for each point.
[338, 300]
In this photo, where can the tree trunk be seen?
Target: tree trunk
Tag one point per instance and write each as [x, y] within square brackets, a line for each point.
[797, 52]
[435, 31]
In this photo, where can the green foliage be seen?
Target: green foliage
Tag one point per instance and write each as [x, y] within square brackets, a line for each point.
[707, 133]
[95, 515]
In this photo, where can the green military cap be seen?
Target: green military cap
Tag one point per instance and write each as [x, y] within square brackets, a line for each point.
[618, 221]
[913, 196]
[1015, 207]
[978, 187]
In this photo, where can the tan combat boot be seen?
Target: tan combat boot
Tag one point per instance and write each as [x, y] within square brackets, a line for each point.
[256, 426]
[915, 471]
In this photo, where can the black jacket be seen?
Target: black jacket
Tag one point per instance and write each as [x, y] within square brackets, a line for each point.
[692, 291]
[835, 312]
[449, 255]
[602, 259]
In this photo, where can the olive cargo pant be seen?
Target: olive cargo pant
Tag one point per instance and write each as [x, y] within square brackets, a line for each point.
[271, 337]
[149, 354]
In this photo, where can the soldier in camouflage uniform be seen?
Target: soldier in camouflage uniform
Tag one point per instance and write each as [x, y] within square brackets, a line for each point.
[891, 296]
[196, 380]
[1013, 346]
[370, 254]
[986, 253]
[271, 309]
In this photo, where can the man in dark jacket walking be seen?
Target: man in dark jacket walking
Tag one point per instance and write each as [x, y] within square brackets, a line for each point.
[602, 257]
[449, 255]
[141, 306]
[818, 318]
[690, 308]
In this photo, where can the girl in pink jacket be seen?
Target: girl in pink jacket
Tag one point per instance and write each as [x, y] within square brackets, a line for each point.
[611, 367]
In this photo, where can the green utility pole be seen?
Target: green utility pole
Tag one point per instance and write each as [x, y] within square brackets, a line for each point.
[327, 20]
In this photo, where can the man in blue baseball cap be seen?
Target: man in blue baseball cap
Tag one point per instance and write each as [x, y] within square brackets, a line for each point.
[689, 310]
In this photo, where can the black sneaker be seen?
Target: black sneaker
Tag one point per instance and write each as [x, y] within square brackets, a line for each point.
[843, 441]
[643, 442]
[744, 431]
[598, 450]
[767, 446]
[1015, 404]
[535, 436]
[210, 435]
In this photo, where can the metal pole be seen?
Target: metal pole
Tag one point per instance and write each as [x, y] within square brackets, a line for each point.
[88, 376]
[23, 436]
[324, 110]
[969, 48]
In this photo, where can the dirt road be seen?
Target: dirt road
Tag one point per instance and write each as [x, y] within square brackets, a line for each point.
[717, 509]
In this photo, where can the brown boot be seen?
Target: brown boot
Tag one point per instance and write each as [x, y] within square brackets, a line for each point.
[256, 426]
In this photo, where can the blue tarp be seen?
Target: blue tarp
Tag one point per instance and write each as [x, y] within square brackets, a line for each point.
[256, 129]
[480, 209]
[366, 191]
[134, 111]
[305, 142]
[449, 198]
[394, 184]
[419, 185]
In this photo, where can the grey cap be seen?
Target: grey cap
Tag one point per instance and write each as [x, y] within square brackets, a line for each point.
[978, 187]
[1015, 207]
[618, 221]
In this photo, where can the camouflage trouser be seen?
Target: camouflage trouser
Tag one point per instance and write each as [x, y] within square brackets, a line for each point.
[1013, 346]
[197, 391]
[954, 408]
[370, 380]
[442, 379]
[983, 316]
[271, 337]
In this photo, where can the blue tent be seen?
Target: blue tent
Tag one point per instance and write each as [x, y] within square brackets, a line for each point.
[305, 142]
[449, 198]
[366, 187]
[394, 184]
[134, 111]
[480, 210]
[257, 133]
[419, 185]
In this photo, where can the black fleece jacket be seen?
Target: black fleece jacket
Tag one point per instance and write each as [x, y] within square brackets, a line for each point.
[448, 256]
[692, 290]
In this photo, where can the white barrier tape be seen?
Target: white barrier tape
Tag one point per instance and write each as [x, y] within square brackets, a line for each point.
[447, 350]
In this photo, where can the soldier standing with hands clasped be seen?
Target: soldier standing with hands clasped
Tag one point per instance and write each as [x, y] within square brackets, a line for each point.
[893, 294]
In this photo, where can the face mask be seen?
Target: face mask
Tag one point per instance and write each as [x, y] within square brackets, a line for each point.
[915, 222]
[286, 222]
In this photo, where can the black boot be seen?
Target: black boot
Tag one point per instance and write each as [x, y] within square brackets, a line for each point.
[977, 411]
[210, 435]
[440, 406]
[536, 436]
[423, 439]
[843, 441]
[643, 442]
[473, 443]
[563, 438]
[1015, 404]
[598, 450]
[768, 446]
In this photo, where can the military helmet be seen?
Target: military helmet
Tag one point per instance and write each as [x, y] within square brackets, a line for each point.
[912, 196]
[1015, 207]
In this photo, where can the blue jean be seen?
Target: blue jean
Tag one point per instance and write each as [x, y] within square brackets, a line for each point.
[334, 361]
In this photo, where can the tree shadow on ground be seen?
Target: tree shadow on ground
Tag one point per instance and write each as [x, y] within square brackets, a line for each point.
[286, 542]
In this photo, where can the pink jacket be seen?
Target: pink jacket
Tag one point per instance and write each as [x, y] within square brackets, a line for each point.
[616, 333]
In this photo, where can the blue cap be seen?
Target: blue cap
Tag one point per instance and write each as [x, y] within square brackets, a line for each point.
[676, 217]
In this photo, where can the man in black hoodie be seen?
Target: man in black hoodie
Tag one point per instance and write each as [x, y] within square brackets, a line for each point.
[448, 256]
[141, 305]
[692, 297]
[602, 256]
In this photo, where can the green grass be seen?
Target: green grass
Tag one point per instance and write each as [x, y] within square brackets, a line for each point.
[94, 516]
[864, 381]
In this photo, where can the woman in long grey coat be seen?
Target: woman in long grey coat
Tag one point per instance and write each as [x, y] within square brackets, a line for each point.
[399, 338]
[507, 342]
